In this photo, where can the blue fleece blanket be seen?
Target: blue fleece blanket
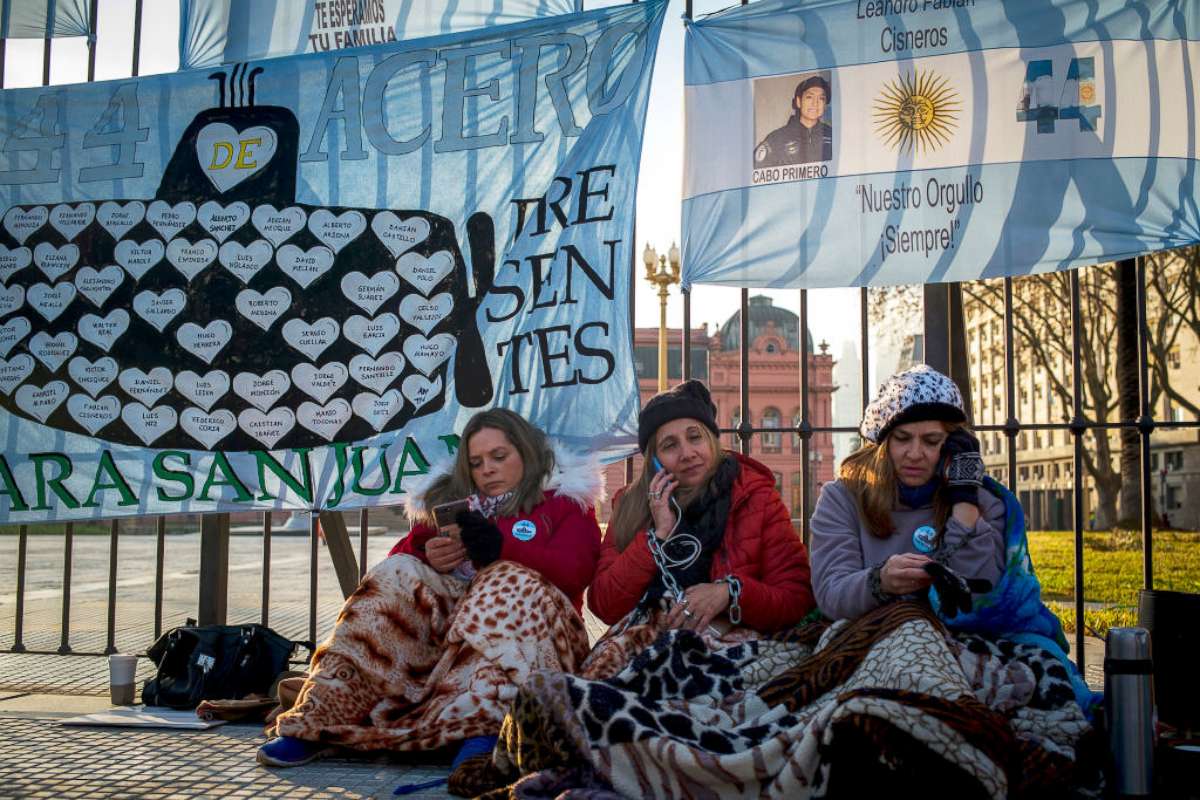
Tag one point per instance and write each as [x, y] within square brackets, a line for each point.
[1014, 608]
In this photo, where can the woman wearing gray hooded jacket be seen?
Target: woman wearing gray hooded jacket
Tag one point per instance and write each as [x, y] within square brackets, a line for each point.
[912, 495]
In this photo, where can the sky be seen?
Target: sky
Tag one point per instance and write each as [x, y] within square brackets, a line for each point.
[833, 313]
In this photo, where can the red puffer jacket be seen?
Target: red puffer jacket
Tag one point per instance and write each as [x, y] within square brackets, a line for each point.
[559, 538]
[760, 547]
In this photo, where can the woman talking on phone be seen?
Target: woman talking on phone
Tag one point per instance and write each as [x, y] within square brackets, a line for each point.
[700, 541]
[487, 586]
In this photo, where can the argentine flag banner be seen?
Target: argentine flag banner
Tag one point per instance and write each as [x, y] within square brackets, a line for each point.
[289, 284]
[45, 19]
[228, 31]
[876, 142]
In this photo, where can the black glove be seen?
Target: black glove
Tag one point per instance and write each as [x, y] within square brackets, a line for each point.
[962, 467]
[954, 589]
[481, 538]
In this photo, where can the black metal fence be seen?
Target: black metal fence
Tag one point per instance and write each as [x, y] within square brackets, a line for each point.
[945, 349]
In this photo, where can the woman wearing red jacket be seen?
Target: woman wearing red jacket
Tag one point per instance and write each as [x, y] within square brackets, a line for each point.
[701, 541]
[430, 648]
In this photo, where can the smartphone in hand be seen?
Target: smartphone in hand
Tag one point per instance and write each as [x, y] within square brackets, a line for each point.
[446, 514]
[658, 467]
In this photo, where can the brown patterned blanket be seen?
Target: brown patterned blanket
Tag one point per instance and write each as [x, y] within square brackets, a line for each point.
[890, 703]
[419, 660]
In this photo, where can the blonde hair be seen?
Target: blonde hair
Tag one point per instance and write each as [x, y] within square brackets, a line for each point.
[870, 476]
[632, 513]
[529, 440]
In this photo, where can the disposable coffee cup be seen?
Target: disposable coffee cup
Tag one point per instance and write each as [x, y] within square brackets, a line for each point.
[121, 672]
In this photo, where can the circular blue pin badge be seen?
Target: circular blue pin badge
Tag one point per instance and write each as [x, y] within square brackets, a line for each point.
[924, 538]
[524, 530]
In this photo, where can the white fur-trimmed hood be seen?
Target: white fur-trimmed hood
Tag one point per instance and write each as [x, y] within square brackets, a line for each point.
[577, 476]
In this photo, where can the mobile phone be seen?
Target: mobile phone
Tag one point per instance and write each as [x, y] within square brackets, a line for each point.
[658, 467]
[446, 514]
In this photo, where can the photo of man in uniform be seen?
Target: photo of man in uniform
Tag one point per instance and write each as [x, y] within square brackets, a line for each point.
[805, 138]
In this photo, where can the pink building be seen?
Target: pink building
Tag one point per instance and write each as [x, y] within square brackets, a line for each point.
[774, 392]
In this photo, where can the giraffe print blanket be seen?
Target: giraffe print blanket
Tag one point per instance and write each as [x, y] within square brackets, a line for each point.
[419, 660]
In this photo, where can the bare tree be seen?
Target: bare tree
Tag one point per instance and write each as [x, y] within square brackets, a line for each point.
[1172, 306]
[1043, 330]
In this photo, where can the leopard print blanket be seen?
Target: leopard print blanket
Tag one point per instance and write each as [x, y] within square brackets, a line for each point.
[419, 660]
[889, 703]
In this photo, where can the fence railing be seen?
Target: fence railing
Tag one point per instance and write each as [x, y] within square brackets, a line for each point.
[944, 336]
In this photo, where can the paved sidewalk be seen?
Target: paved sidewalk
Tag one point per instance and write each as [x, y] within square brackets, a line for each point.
[40, 757]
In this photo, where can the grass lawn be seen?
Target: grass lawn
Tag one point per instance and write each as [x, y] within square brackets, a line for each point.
[1112, 570]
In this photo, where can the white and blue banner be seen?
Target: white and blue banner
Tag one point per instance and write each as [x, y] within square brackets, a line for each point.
[873, 142]
[44, 19]
[289, 284]
[228, 31]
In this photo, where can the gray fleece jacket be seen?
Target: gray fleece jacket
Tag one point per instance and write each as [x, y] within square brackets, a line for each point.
[842, 551]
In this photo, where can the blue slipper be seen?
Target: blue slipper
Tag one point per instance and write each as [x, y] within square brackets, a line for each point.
[288, 751]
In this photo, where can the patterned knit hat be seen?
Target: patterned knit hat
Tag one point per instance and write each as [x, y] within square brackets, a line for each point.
[915, 395]
[687, 400]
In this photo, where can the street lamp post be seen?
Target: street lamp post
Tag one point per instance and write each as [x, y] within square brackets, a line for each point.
[661, 275]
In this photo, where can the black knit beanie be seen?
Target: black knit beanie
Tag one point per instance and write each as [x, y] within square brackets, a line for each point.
[689, 399]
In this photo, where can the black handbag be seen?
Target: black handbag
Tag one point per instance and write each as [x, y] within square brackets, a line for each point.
[215, 662]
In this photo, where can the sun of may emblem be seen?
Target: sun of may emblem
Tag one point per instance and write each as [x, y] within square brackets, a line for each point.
[918, 111]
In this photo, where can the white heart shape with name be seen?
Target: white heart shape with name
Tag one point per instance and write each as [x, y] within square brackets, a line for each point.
[222, 221]
[267, 428]
[22, 224]
[104, 331]
[376, 409]
[159, 309]
[39, 402]
[203, 390]
[428, 354]
[92, 376]
[204, 343]
[326, 420]
[263, 308]
[311, 339]
[98, 285]
[190, 259]
[376, 374]
[261, 391]
[399, 236]
[420, 390]
[278, 225]
[93, 414]
[137, 259]
[207, 427]
[319, 382]
[229, 157]
[14, 371]
[369, 293]
[119, 219]
[170, 220]
[148, 424]
[372, 334]
[424, 274]
[13, 261]
[335, 232]
[48, 301]
[304, 266]
[245, 261]
[11, 333]
[69, 221]
[55, 261]
[146, 387]
[53, 351]
[424, 314]
[11, 299]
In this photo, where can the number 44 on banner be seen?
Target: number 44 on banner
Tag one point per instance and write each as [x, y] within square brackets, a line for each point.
[1040, 102]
